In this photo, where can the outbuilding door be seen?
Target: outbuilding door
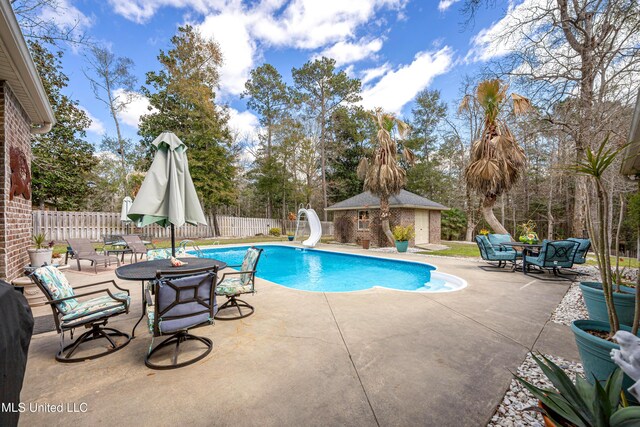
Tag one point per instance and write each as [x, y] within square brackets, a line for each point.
[422, 226]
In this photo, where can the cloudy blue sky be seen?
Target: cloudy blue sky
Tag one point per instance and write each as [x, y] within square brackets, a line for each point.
[396, 47]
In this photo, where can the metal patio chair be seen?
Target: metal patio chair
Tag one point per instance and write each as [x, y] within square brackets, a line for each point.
[176, 304]
[135, 245]
[70, 313]
[554, 255]
[83, 250]
[488, 253]
[233, 287]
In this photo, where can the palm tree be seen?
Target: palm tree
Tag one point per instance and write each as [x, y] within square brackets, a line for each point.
[385, 176]
[497, 161]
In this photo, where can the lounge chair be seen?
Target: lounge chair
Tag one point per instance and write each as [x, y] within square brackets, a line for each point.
[489, 253]
[232, 287]
[178, 304]
[83, 249]
[553, 256]
[70, 313]
[164, 253]
[135, 245]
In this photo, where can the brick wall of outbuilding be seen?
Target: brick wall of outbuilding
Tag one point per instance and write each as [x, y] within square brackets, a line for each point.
[374, 234]
[15, 215]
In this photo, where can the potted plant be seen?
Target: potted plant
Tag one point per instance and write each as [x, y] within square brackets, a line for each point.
[595, 338]
[528, 234]
[290, 236]
[402, 235]
[581, 403]
[41, 254]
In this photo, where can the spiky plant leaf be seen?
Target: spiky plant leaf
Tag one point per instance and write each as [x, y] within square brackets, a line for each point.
[626, 417]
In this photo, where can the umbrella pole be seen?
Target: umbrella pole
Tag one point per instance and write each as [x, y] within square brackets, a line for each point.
[173, 240]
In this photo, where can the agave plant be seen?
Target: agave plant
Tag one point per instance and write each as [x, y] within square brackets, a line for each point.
[496, 161]
[582, 404]
[385, 176]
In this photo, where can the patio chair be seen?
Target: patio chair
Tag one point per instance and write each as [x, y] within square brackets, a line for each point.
[581, 251]
[69, 313]
[135, 245]
[164, 253]
[178, 304]
[108, 240]
[553, 256]
[83, 250]
[490, 254]
[496, 241]
[232, 287]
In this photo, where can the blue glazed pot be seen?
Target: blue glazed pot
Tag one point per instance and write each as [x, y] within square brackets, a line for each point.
[290, 238]
[624, 302]
[595, 352]
[402, 246]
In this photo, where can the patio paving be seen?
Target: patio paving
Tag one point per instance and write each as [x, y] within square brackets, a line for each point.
[376, 357]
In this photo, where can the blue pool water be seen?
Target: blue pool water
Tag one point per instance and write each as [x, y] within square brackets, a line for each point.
[322, 271]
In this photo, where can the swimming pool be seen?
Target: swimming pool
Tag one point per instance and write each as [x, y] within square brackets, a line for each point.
[324, 271]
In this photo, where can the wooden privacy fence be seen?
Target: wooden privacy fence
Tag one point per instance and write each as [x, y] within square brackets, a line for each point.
[62, 225]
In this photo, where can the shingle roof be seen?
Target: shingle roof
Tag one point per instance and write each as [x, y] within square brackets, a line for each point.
[405, 199]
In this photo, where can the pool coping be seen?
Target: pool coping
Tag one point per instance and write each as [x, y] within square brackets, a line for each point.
[450, 278]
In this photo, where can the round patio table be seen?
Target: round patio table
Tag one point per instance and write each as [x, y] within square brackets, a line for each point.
[146, 270]
[526, 248]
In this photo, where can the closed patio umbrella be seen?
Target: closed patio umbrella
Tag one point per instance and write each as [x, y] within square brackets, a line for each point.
[124, 211]
[167, 195]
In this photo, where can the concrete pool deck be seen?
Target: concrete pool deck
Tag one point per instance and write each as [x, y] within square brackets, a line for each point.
[373, 357]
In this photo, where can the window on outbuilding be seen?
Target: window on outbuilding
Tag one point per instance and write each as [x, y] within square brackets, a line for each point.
[363, 220]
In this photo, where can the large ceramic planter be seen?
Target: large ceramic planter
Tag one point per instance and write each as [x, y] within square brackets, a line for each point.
[623, 301]
[365, 243]
[402, 246]
[40, 257]
[595, 353]
[290, 238]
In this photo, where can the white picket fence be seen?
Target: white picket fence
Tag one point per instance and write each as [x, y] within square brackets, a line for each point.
[62, 225]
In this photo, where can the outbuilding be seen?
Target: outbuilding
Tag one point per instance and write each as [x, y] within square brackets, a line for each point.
[358, 218]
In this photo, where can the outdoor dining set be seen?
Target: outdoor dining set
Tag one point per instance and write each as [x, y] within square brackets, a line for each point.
[175, 299]
[555, 256]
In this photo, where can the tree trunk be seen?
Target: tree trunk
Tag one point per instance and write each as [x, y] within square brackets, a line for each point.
[384, 219]
[216, 226]
[487, 212]
[471, 220]
[324, 158]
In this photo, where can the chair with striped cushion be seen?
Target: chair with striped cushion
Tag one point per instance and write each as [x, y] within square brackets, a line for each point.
[70, 312]
[232, 287]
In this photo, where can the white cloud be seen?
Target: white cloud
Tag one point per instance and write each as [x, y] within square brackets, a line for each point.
[96, 126]
[345, 52]
[503, 36]
[141, 11]
[245, 123]
[446, 4]
[396, 88]
[230, 30]
[139, 106]
[65, 16]
[373, 73]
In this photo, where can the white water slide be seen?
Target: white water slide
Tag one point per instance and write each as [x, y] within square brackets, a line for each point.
[314, 225]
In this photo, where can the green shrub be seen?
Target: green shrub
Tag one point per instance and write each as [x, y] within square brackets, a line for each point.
[402, 234]
[454, 224]
[275, 231]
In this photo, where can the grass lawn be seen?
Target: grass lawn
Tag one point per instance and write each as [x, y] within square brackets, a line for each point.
[457, 249]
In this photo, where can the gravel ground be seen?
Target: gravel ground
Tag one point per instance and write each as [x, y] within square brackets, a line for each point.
[511, 411]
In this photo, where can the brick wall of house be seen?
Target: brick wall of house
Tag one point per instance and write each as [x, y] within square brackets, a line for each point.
[15, 215]
[350, 233]
[435, 226]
